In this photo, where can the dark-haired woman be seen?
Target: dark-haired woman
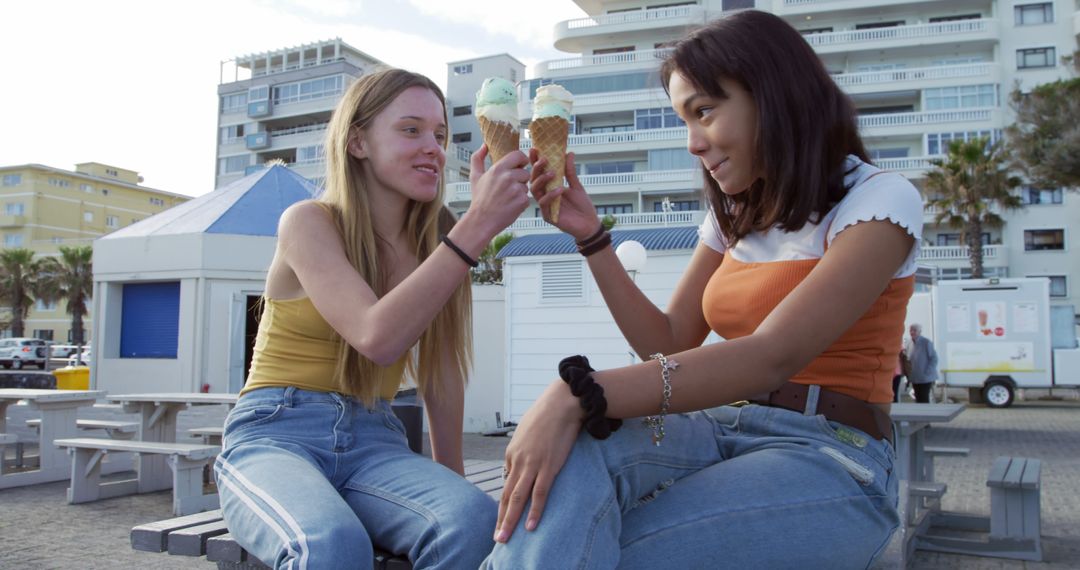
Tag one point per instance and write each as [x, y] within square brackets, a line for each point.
[805, 266]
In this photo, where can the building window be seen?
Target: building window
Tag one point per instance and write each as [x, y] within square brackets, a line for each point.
[880, 153]
[879, 25]
[86, 188]
[88, 216]
[308, 90]
[605, 209]
[657, 118]
[811, 31]
[157, 202]
[12, 179]
[678, 206]
[462, 110]
[112, 222]
[111, 172]
[945, 240]
[938, 143]
[233, 164]
[56, 240]
[1036, 240]
[14, 208]
[1059, 285]
[606, 51]
[736, 4]
[1034, 58]
[309, 154]
[104, 191]
[43, 334]
[43, 305]
[609, 167]
[1032, 14]
[13, 240]
[260, 93]
[232, 134]
[463, 69]
[461, 137]
[59, 182]
[1029, 195]
[233, 103]
[963, 97]
[941, 19]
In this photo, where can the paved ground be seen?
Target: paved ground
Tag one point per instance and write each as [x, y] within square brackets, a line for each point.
[38, 529]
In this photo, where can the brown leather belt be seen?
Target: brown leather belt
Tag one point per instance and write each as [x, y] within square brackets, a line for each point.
[835, 406]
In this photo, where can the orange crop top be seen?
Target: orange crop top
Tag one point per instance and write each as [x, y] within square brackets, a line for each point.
[295, 346]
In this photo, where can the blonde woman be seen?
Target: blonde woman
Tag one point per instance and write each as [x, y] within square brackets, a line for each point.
[369, 284]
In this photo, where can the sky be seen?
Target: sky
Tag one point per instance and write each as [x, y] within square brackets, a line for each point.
[133, 84]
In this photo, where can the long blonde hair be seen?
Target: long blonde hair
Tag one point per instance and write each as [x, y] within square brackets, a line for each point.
[347, 200]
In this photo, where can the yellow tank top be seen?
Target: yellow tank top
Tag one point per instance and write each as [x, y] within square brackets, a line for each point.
[296, 347]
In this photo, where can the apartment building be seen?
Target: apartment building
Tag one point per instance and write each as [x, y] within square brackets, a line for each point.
[45, 208]
[921, 73]
[277, 104]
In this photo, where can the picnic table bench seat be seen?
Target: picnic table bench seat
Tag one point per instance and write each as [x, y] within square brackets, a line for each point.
[211, 435]
[206, 534]
[115, 429]
[1013, 529]
[186, 461]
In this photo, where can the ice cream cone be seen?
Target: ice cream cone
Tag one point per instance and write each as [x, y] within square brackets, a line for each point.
[549, 139]
[501, 138]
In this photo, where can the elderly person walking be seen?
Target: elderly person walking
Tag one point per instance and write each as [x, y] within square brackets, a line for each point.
[920, 351]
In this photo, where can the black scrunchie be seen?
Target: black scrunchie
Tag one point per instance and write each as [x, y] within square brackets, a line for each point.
[575, 371]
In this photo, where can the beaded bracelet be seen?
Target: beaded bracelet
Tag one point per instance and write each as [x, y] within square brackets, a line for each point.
[657, 422]
[576, 372]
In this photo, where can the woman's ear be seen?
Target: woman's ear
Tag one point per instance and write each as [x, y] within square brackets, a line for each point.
[356, 145]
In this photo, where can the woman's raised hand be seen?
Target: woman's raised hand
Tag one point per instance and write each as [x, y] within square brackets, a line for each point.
[499, 194]
[577, 215]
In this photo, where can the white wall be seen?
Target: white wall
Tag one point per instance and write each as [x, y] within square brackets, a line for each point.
[487, 387]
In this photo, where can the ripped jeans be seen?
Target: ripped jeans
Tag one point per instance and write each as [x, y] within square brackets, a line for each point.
[730, 487]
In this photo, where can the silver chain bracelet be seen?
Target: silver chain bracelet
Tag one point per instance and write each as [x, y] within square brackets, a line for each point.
[657, 422]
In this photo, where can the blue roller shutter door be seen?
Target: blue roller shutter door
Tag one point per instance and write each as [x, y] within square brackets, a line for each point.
[150, 320]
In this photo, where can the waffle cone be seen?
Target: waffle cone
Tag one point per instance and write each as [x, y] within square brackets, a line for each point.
[501, 138]
[549, 139]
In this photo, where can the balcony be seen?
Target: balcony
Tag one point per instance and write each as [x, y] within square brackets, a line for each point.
[295, 137]
[12, 220]
[612, 102]
[916, 78]
[571, 35]
[911, 167]
[622, 221]
[801, 7]
[647, 59]
[984, 29]
[257, 141]
[258, 109]
[958, 256]
[645, 181]
[888, 124]
[623, 141]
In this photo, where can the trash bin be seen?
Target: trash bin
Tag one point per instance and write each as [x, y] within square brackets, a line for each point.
[72, 378]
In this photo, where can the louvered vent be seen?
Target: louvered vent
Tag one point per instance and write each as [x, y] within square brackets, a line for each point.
[562, 280]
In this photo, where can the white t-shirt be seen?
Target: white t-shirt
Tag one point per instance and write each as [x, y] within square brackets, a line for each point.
[887, 196]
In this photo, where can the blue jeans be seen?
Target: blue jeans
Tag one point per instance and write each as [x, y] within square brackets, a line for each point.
[730, 487]
[312, 479]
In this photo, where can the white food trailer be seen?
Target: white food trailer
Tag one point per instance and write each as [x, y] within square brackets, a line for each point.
[995, 336]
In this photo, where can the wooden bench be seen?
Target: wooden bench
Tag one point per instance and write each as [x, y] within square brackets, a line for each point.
[115, 429]
[185, 460]
[205, 534]
[1015, 523]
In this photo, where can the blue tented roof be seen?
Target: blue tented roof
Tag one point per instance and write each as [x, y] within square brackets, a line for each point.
[684, 237]
[250, 206]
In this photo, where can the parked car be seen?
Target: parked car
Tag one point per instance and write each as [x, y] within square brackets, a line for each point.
[18, 352]
[62, 350]
[84, 360]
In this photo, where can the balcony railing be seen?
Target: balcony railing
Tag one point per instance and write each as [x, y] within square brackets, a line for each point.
[958, 252]
[917, 31]
[298, 130]
[653, 56]
[462, 191]
[907, 163]
[915, 74]
[661, 219]
[924, 118]
[651, 97]
[636, 136]
[630, 17]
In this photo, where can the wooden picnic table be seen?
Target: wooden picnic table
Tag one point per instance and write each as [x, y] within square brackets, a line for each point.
[157, 423]
[58, 420]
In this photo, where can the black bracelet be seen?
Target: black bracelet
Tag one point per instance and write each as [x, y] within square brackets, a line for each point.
[585, 242]
[464, 256]
[576, 372]
[596, 246]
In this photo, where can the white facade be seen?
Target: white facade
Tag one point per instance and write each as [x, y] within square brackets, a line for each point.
[277, 104]
[921, 73]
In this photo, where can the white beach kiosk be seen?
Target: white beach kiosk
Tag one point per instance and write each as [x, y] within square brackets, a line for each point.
[174, 294]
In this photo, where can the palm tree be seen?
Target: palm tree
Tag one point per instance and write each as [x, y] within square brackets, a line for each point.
[967, 187]
[18, 283]
[490, 269]
[70, 277]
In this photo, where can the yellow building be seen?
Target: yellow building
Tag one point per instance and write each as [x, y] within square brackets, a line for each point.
[43, 208]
